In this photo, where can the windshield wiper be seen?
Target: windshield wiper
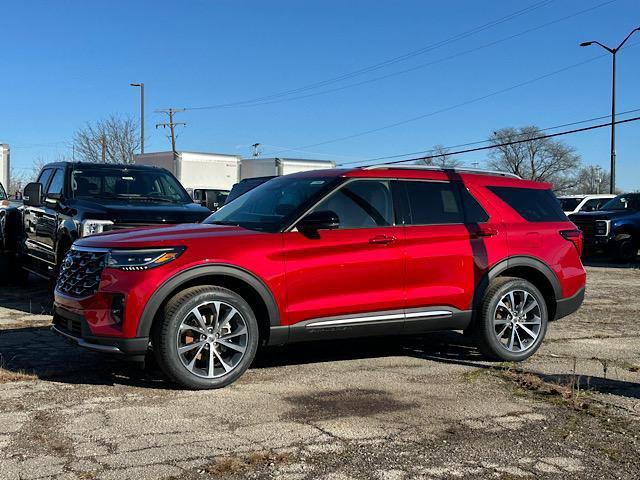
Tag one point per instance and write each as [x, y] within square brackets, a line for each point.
[224, 222]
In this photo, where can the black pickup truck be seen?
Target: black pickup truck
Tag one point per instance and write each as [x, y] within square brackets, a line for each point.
[9, 234]
[70, 200]
[614, 229]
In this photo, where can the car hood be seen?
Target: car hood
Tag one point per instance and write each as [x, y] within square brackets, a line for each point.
[171, 235]
[602, 215]
[142, 212]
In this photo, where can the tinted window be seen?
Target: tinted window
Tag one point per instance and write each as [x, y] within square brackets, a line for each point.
[3, 194]
[593, 204]
[569, 204]
[532, 204]
[272, 204]
[361, 204]
[473, 212]
[433, 203]
[127, 184]
[623, 202]
[44, 177]
[55, 187]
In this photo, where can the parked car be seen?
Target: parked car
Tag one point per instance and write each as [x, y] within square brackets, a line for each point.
[583, 203]
[614, 229]
[71, 200]
[326, 255]
[9, 227]
[243, 186]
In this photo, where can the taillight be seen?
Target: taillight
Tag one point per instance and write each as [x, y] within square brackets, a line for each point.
[575, 237]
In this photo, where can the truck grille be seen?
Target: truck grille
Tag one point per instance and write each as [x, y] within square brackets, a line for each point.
[588, 227]
[80, 273]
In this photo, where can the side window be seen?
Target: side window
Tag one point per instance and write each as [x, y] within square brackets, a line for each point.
[44, 177]
[593, 204]
[55, 188]
[532, 204]
[473, 212]
[433, 203]
[361, 204]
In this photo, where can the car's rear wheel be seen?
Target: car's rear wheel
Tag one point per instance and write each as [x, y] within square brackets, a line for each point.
[513, 320]
[207, 338]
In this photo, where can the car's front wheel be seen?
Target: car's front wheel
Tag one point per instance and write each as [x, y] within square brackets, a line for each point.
[207, 338]
[513, 320]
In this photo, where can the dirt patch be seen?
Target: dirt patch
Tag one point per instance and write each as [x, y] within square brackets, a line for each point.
[344, 403]
[239, 465]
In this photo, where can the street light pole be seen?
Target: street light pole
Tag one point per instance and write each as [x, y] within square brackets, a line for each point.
[613, 52]
[141, 85]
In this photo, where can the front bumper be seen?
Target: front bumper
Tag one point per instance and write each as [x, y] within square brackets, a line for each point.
[73, 327]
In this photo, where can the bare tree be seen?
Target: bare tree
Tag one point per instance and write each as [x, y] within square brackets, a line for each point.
[591, 179]
[111, 140]
[440, 157]
[543, 160]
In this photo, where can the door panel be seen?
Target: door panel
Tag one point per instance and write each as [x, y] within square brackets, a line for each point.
[343, 272]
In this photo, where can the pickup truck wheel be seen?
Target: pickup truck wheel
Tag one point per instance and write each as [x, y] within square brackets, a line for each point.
[513, 320]
[626, 249]
[207, 337]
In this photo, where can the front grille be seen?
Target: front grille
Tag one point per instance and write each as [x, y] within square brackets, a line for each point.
[80, 273]
[587, 226]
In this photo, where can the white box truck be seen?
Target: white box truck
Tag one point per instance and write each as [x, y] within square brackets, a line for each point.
[267, 167]
[194, 170]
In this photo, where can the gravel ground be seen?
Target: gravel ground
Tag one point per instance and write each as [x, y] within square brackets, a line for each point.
[426, 407]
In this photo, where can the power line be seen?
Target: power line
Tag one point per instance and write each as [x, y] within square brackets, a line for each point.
[171, 125]
[468, 144]
[278, 98]
[515, 142]
[385, 63]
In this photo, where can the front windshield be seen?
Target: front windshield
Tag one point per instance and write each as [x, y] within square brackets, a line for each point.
[268, 206]
[569, 204]
[126, 184]
[623, 202]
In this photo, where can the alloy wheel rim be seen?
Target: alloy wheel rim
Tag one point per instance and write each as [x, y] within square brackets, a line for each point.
[517, 321]
[212, 339]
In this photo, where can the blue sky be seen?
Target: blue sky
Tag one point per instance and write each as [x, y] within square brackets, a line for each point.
[69, 62]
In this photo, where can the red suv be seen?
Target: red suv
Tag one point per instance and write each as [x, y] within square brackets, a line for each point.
[324, 255]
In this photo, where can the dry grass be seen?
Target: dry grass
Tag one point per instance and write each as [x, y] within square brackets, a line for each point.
[7, 376]
[227, 466]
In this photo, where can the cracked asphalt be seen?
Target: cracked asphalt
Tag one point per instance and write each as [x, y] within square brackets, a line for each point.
[427, 407]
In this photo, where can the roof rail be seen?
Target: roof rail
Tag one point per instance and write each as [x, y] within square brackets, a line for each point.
[434, 168]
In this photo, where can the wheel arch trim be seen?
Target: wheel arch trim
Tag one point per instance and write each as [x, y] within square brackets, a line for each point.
[531, 262]
[161, 294]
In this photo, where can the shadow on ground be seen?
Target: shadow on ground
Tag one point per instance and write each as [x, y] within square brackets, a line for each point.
[34, 297]
[604, 262]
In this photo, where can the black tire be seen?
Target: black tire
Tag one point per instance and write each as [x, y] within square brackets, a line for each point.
[626, 249]
[165, 336]
[485, 330]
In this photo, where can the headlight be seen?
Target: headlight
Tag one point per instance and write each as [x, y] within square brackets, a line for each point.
[92, 227]
[603, 227]
[142, 259]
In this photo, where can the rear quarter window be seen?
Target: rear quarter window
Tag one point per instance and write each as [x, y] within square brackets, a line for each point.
[532, 204]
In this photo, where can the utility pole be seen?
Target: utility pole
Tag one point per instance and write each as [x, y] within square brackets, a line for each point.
[103, 141]
[171, 125]
[256, 150]
[613, 52]
[141, 85]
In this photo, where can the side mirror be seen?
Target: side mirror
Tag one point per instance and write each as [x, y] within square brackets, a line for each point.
[320, 220]
[32, 196]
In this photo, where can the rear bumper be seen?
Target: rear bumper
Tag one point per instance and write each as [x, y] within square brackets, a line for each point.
[74, 328]
[567, 306]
